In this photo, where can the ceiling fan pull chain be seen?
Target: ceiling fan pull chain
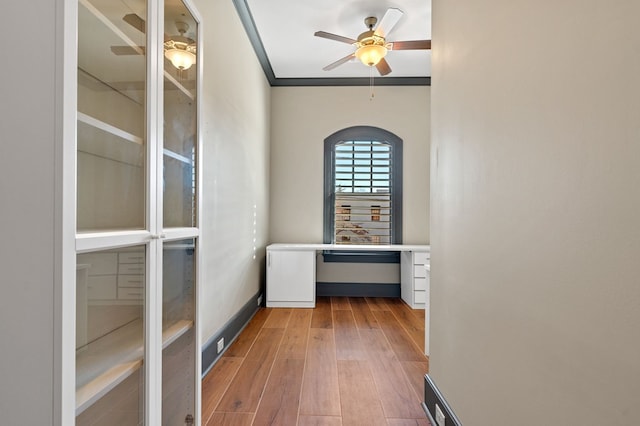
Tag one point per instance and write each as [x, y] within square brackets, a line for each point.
[371, 83]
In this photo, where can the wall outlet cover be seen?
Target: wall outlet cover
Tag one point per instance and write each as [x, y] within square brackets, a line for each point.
[220, 345]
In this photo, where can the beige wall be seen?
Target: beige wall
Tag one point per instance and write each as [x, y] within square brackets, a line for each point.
[235, 133]
[302, 117]
[535, 206]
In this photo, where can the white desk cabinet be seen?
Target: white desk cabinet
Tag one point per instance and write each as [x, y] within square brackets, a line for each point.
[414, 278]
[291, 278]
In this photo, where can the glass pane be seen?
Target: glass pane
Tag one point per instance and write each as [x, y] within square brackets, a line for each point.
[179, 115]
[178, 336]
[110, 303]
[111, 115]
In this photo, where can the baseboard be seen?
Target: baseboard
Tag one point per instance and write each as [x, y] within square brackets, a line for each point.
[358, 289]
[433, 398]
[229, 332]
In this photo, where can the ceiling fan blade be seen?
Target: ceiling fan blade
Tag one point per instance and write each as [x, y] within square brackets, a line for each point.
[339, 62]
[383, 67]
[139, 24]
[127, 50]
[335, 37]
[388, 21]
[135, 21]
[410, 45]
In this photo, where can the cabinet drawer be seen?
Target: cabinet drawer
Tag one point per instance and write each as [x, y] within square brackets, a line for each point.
[130, 269]
[418, 283]
[101, 263]
[421, 258]
[101, 287]
[419, 271]
[130, 280]
[130, 293]
[131, 257]
[419, 296]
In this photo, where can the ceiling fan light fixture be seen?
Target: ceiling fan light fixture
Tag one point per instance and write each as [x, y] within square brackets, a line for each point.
[181, 50]
[371, 54]
[181, 59]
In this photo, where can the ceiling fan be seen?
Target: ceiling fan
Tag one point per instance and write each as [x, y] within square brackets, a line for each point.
[372, 45]
[179, 49]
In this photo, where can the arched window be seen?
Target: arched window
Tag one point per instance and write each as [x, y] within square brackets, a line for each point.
[363, 187]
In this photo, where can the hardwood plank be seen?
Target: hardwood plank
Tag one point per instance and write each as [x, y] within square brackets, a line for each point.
[278, 318]
[321, 317]
[411, 323]
[294, 343]
[300, 318]
[403, 345]
[230, 419]
[397, 395]
[320, 390]
[419, 313]
[240, 347]
[377, 303]
[362, 314]
[339, 303]
[281, 398]
[408, 422]
[246, 387]
[348, 343]
[415, 372]
[358, 396]
[216, 382]
[319, 421]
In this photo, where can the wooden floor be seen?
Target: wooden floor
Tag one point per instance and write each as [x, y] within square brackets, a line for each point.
[349, 361]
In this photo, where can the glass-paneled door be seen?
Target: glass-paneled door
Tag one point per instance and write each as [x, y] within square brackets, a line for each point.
[137, 213]
[180, 360]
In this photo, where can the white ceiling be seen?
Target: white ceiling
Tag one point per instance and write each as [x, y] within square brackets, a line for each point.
[286, 29]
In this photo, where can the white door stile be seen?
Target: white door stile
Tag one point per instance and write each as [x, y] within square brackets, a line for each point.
[65, 224]
[153, 336]
[153, 312]
[199, 210]
[196, 231]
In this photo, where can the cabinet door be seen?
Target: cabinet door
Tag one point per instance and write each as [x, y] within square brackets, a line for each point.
[180, 348]
[291, 279]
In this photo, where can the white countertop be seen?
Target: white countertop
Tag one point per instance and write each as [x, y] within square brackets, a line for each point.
[350, 247]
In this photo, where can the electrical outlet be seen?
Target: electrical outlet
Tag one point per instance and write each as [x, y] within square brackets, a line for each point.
[440, 419]
[260, 300]
[220, 345]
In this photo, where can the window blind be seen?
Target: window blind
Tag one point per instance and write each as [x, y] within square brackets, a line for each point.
[362, 192]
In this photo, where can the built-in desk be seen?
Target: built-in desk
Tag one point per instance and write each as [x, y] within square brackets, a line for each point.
[291, 275]
[291, 272]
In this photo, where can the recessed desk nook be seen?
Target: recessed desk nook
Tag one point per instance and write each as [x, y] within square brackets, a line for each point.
[291, 272]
